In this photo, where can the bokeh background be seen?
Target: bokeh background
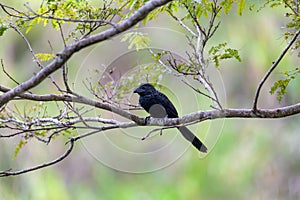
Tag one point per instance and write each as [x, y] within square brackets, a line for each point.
[249, 158]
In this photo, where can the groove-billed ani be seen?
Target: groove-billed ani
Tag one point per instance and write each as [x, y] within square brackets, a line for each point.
[159, 106]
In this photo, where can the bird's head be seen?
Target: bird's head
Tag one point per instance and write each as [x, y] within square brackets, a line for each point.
[144, 89]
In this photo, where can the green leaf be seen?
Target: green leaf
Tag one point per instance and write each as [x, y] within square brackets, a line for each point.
[280, 88]
[231, 53]
[3, 28]
[40, 133]
[227, 5]
[157, 56]
[19, 147]
[241, 6]
[136, 39]
[44, 56]
[219, 52]
[31, 24]
[215, 49]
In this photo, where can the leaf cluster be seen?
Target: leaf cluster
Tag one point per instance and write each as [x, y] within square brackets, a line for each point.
[220, 52]
[280, 86]
[86, 16]
[293, 16]
[137, 40]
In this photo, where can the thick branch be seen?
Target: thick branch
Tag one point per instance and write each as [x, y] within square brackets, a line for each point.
[79, 99]
[77, 46]
[186, 119]
[200, 116]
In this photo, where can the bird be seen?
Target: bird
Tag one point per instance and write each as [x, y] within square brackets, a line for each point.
[158, 105]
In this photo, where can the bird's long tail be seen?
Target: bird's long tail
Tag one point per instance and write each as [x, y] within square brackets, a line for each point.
[187, 134]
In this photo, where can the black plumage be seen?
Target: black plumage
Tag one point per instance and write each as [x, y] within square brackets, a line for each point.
[158, 105]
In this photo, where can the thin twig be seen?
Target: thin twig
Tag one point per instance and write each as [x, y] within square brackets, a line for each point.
[65, 67]
[36, 60]
[7, 74]
[20, 14]
[155, 130]
[100, 21]
[272, 68]
[182, 24]
[202, 93]
[295, 11]
[194, 17]
[60, 158]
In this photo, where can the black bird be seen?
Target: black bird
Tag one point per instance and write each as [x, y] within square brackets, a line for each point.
[159, 106]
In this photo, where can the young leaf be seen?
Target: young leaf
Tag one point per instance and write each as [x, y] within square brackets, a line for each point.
[241, 6]
[3, 28]
[280, 88]
[136, 39]
[219, 52]
[19, 147]
[44, 56]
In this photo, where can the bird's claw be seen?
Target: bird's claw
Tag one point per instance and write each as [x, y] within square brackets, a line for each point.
[146, 119]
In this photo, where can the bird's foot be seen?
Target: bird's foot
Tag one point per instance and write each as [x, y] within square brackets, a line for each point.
[146, 119]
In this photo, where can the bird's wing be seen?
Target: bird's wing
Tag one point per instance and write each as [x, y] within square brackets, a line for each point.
[167, 104]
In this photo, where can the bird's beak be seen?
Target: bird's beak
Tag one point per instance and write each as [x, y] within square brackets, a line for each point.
[136, 90]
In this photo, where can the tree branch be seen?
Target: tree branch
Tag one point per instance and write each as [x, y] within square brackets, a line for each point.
[65, 55]
[275, 64]
[194, 117]
[200, 116]
[63, 156]
[66, 120]
[188, 119]
[79, 99]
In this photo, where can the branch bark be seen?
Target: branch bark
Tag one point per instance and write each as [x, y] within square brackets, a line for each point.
[186, 119]
[200, 116]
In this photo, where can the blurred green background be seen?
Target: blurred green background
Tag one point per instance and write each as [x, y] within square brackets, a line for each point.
[251, 159]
